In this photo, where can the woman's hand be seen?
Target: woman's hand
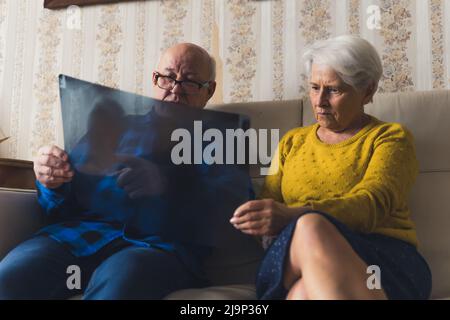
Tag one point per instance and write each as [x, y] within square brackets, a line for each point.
[52, 167]
[264, 217]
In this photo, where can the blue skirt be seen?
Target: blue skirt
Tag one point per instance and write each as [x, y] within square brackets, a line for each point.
[404, 272]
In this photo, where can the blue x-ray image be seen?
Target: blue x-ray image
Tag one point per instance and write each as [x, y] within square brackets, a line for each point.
[146, 164]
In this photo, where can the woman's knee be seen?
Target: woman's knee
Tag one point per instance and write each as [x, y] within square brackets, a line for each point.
[313, 227]
[314, 234]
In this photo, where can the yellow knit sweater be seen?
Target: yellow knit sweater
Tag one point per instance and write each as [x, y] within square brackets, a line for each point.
[363, 181]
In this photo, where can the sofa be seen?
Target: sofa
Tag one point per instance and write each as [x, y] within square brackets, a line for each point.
[232, 272]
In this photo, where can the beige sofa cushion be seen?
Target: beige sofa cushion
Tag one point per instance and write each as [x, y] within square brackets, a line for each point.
[20, 216]
[281, 115]
[430, 203]
[231, 292]
[427, 116]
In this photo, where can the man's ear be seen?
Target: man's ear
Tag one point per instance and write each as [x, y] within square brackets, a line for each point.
[211, 89]
[154, 78]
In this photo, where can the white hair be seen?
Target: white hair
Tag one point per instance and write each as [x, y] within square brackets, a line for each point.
[354, 59]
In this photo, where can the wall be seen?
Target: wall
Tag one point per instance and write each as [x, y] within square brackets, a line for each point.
[257, 44]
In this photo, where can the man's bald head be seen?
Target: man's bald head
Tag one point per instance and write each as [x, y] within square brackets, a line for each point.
[192, 51]
[186, 61]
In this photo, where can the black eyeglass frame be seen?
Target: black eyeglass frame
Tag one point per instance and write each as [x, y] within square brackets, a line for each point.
[180, 82]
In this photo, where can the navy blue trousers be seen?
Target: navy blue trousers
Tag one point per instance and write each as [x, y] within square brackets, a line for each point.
[37, 269]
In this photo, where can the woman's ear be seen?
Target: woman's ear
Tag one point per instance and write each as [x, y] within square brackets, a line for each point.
[369, 93]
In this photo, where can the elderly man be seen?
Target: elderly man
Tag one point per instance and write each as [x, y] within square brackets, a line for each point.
[112, 265]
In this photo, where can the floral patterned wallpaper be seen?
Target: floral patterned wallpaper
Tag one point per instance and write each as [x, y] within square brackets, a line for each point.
[257, 45]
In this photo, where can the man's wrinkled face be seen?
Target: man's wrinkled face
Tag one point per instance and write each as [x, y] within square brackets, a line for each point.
[184, 62]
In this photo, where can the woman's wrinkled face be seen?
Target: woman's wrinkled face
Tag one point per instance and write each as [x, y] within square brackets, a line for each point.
[336, 104]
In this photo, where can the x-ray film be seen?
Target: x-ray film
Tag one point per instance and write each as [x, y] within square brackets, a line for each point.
[184, 178]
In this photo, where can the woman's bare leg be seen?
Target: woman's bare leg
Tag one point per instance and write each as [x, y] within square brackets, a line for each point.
[323, 265]
[297, 291]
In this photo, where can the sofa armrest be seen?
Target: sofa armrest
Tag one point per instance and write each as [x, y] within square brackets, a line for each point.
[20, 216]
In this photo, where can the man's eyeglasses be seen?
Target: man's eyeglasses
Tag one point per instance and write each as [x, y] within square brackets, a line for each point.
[188, 86]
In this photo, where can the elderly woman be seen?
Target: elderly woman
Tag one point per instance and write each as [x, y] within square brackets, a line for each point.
[337, 202]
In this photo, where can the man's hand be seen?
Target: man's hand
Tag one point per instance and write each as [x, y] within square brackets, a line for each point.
[264, 217]
[140, 178]
[52, 168]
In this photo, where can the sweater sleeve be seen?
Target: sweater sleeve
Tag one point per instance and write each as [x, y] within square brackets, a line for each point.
[384, 187]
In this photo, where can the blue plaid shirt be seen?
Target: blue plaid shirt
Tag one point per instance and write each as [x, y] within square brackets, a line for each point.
[83, 231]
[91, 211]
